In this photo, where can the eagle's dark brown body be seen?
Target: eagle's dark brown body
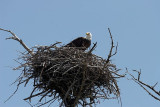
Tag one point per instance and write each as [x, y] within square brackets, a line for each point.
[80, 42]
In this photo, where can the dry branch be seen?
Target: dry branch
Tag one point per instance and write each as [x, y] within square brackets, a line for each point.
[148, 88]
[14, 37]
[112, 46]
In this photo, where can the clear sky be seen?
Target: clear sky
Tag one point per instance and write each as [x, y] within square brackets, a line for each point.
[135, 25]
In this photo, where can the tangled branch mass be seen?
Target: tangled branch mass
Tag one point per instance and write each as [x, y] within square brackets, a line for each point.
[68, 74]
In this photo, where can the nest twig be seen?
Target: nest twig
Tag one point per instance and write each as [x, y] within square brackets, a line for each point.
[69, 74]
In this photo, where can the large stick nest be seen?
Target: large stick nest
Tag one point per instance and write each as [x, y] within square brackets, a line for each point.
[72, 76]
[69, 74]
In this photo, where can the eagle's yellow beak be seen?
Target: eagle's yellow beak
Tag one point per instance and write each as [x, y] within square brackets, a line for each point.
[87, 33]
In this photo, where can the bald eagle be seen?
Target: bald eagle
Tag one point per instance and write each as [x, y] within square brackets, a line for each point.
[81, 42]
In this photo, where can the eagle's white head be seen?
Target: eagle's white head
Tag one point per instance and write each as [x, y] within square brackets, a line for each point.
[88, 36]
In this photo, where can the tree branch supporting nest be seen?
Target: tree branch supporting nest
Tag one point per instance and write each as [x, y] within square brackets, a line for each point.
[69, 74]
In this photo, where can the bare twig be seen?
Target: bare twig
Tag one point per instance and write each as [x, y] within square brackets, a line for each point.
[145, 86]
[12, 94]
[14, 37]
[19, 82]
[94, 46]
[34, 95]
[112, 46]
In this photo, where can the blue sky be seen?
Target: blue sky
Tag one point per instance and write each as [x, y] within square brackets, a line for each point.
[134, 24]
